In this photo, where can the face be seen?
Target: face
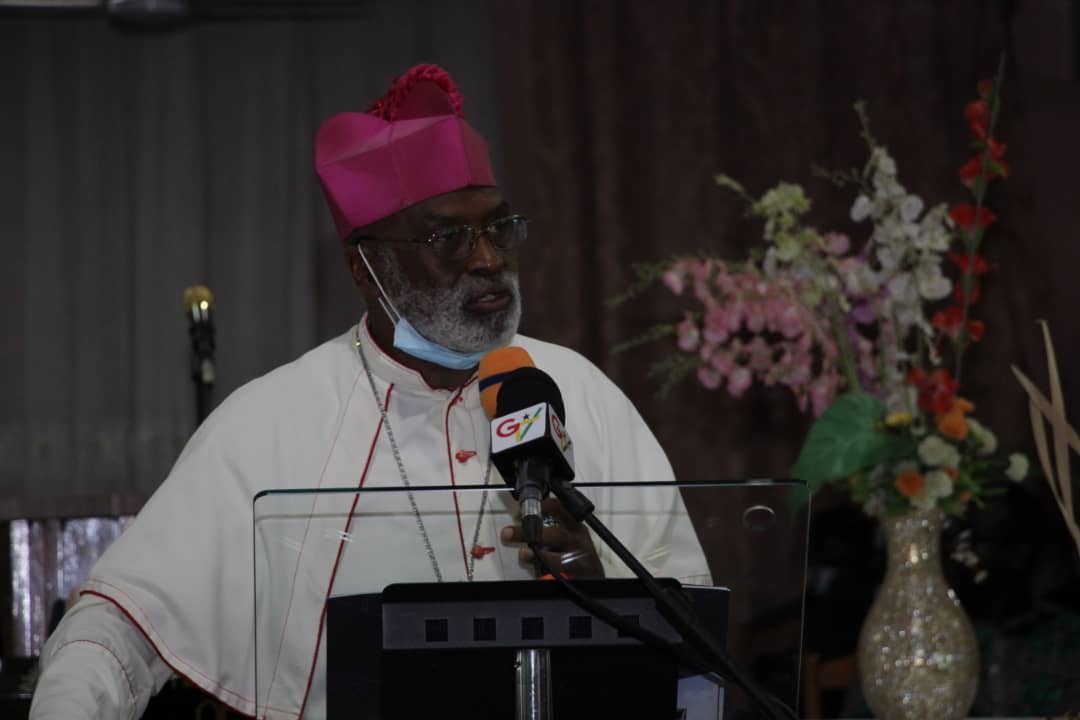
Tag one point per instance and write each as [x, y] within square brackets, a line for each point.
[469, 305]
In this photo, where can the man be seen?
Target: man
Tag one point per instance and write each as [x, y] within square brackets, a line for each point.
[434, 249]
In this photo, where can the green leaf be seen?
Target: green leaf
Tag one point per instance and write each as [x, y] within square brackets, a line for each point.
[846, 439]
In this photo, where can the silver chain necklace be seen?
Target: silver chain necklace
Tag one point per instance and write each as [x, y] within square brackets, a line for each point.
[405, 478]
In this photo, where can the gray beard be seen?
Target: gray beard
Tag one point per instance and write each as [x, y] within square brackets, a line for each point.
[440, 316]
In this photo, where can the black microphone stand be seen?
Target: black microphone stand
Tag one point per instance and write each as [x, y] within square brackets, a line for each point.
[671, 605]
[201, 332]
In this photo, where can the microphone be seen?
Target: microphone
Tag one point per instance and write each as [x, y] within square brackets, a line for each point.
[199, 308]
[495, 367]
[529, 443]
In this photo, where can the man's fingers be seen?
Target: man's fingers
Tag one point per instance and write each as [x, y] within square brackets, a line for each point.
[571, 563]
[554, 537]
[557, 510]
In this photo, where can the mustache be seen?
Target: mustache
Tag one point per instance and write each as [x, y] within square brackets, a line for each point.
[471, 287]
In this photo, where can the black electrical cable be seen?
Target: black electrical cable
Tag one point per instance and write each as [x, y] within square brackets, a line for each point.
[673, 607]
[686, 654]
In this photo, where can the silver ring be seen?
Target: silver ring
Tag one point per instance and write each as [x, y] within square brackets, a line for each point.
[550, 521]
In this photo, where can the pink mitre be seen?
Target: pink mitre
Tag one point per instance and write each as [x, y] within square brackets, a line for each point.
[411, 145]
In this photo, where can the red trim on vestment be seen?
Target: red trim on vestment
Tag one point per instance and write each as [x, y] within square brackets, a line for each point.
[341, 549]
[450, 464]
[303, 542]
[172, 667]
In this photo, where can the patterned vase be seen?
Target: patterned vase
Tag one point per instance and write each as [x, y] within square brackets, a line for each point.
[917, 656]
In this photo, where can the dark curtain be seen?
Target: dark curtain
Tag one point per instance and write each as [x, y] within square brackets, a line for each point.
[618, 114]
[134, 164]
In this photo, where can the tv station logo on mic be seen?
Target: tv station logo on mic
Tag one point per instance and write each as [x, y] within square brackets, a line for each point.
[517, 428]
[559, 433]
[536, 428]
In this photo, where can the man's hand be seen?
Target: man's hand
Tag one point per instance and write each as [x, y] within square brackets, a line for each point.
[569, 547]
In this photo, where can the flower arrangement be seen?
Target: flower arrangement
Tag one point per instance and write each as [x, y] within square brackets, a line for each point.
[869, 336]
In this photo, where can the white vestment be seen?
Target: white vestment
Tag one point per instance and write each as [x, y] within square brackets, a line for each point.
[182, 574]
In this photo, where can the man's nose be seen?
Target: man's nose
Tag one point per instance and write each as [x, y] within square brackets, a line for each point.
[485, 259]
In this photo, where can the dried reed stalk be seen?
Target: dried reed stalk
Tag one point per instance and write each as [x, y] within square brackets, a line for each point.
[1062, 434]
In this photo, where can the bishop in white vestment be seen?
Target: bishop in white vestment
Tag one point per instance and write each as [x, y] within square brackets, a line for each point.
[394, 402]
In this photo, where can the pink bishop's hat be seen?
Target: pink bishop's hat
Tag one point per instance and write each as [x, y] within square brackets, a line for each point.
[411, 145]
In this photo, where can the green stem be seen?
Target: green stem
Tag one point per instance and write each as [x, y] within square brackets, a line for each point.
[843, 341]
[974, 239]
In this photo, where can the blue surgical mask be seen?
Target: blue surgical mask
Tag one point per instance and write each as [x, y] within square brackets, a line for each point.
[408, 340]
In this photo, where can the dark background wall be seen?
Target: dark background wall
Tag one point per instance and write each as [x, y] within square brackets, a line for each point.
[133, 164]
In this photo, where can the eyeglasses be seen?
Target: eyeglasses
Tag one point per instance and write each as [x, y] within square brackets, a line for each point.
[459, 242]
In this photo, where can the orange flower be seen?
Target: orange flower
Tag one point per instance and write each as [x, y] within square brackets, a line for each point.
[910, 483]
[952, 423]
[953, 473]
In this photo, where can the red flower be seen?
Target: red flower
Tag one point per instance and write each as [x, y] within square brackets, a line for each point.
[970, 170]
[958, 292]
[936, 389]
[960, 260]
[973, 168]
[949, 320]
[977, 113]
[964, 216]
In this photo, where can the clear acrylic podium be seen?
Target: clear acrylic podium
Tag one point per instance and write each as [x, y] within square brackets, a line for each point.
[321, 554]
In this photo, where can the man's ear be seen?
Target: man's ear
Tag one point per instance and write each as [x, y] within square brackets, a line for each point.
[360, 273]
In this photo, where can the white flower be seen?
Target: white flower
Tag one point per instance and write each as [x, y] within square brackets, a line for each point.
[1018, 467]
[903, 290]
[861, 209]
[938, 484]
[933, 232]
[923, 501]
[983, 436]
[886, 257]
[910, 207]
[935, 452]
[875, 504]
[787, 248]
[882, 161]
[901, 399]
[769, 265]
[932, 284]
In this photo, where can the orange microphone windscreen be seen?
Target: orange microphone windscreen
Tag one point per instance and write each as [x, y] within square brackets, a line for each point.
[494, 367]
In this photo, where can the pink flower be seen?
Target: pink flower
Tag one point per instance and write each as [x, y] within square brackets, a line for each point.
[716, 325]
[822, 392]
[709, 378]
[739, 380]
[755, 317]
[675, 280]
[722, 362]
[837, 243]
[689, 337]
[790, 322]
[703, 293]
[760, 354]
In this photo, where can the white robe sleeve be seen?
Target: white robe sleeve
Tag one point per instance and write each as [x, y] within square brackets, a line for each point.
[97, 666]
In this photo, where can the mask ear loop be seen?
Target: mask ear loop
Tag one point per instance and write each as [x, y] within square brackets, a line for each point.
[384, 297]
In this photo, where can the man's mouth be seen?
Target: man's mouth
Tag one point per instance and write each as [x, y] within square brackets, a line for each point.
[489, 302]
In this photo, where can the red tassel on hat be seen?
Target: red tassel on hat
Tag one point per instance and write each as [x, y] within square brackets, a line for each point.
[389, 106]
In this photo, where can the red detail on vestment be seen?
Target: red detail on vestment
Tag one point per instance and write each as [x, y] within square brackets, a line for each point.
[464, 455]
[341, 549]
[479, 551]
